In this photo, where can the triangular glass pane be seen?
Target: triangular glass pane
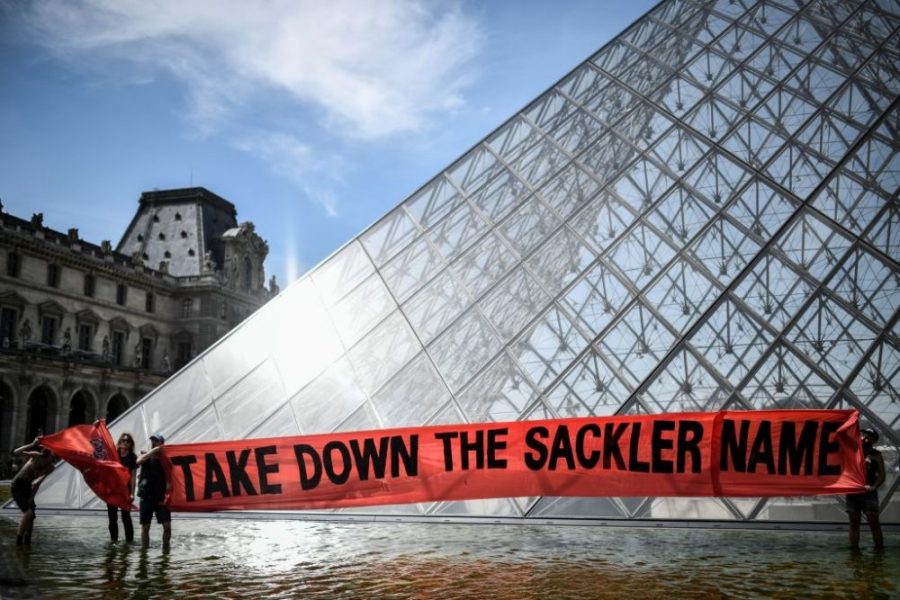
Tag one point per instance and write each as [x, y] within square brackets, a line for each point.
[877, 385]
[731, 341]
[685, 385]
[590, 388]
[784, 381]
[500, 393]
[831, 337]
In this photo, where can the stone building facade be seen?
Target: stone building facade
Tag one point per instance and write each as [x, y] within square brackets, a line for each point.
[86, 330]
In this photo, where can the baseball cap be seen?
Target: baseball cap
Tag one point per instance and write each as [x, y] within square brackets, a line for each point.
[158, 437]
[871, 433]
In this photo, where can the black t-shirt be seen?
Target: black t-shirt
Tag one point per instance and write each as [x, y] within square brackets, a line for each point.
[152, 480]
[129, 460]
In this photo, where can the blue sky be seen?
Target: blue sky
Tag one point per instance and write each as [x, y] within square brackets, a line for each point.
[314, 118]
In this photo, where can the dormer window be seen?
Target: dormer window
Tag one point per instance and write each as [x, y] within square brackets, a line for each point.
[177, 216]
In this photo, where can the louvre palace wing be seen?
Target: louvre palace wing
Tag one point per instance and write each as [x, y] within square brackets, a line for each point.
[702, 215]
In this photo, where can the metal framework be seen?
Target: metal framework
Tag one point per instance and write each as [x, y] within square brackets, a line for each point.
[703, 215]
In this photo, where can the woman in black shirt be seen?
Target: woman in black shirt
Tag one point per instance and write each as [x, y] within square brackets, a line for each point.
[128, 458]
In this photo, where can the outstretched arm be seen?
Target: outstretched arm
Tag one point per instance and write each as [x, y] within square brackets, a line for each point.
[148, 455]
[31, 450]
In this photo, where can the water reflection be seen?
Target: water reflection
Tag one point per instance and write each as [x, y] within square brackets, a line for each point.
[268, 559]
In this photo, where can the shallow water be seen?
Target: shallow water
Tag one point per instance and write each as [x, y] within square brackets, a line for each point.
[240, 558]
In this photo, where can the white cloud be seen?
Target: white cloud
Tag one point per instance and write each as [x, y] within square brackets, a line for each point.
[365, 69]
[373, 68]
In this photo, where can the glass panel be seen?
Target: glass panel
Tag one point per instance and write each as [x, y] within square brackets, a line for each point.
[410, 269]
[603, 220]
[680, 215]
[641, 255]
[360, 310]
[730, 341]
[300, 318]
[167, 408]
[636, 344]
[484, 264]
[436, 306]
[513, 303]
[382, 352]
[387, 237]
[724, 250]
[878, 384]
[342, 272]
[560, 260]
[529, 226]
[784, 381]
[499, 394]
[685, 385]
[596, 298]
[591, 388]
[434, 201]
[280, 424]
[412, 396]
[868, 285]
[457, 232]
[774, 290]
[547, 347]
[464, 349]
[325, 402]
[569, 190]
[681, 295]
[813, 246]
[831, 337]
[250, 401]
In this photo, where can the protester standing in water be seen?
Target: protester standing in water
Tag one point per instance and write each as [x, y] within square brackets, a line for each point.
[867, 502]
[152, 487]
[127, 457]
[26, 483]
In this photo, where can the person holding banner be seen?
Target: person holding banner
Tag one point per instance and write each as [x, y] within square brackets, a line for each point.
[26, 482]
[125, 448]
[153, 486]
[867, 502]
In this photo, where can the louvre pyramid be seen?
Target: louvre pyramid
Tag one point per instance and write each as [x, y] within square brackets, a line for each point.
[703, 215]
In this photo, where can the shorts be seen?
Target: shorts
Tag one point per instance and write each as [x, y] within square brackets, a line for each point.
[154, 507]
[23, 495]
[866, 502]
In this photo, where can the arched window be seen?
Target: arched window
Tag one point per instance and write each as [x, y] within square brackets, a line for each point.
[41, 417]
[78, 408]
[115, 407]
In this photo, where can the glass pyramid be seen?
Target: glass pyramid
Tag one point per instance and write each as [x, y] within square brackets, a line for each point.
[703, 215]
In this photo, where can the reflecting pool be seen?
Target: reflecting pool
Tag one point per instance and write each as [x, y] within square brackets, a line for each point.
[240, 558]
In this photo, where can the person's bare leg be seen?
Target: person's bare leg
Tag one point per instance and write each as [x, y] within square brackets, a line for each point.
[854, 528]
[167, 535]
[24, 531]
[145, 535]
[875, 527]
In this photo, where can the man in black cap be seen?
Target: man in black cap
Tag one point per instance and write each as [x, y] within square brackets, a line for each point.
[152, 488]
[867, 502]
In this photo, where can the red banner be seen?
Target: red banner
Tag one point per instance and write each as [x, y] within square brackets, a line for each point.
[729, 453]
[90, 449]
